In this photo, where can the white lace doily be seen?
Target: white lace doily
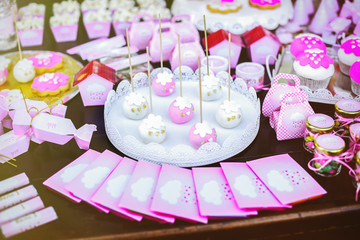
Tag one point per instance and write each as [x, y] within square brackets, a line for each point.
[283, 64]
[176, 149]
[239, 22]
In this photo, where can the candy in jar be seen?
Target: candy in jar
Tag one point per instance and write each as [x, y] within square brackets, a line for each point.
[316, 124]
[347, 112]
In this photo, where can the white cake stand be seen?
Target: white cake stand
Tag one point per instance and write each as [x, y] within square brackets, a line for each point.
[239, 22]
[176, 149]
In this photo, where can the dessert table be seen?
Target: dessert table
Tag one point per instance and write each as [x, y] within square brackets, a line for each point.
[332, 216]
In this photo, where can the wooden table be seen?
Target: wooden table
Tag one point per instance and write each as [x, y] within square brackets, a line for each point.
[332, 216]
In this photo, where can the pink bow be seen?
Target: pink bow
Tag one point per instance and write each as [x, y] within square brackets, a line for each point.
[346, 121]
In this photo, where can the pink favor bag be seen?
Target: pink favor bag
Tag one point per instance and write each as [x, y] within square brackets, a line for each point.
[185, 28]
[141, 33]
[169, 40]
[272, 101]
[290, 123]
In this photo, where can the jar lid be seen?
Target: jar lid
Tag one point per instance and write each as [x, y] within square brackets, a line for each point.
[249, 70]
[329, 144]
[319, 123]
[347, 108]
[355, 130]
[358, 157]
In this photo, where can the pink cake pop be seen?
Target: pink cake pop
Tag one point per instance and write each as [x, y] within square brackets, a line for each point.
[163, 84]
[181, 110]
[201, 133]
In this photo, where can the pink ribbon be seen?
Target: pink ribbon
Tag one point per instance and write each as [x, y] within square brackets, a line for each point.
[260, 86]
[345, 121]
[311, 144]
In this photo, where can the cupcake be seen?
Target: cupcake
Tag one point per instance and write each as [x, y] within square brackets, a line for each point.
[306, 41]
[348, 53]
[314, 69]
[355, 77]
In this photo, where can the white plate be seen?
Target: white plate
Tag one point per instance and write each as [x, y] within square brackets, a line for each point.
[176, 148]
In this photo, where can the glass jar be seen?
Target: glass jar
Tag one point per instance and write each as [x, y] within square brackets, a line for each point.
[7, 29]
[327, 147]
[347, 112]
[316, 124]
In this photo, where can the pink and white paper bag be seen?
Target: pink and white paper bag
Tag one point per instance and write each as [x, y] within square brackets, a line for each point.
[139, 192]
[59, 180]
[249, 191]
[214, 195]
[175, 194]
[86, 184]
[286, 179]
[113, 187]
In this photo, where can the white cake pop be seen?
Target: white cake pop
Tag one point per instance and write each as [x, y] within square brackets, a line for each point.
[181, 110]
[201, 133]
[24, 71]
[135, 106]
[211, 88]
[152, 129]
[228, 114]
[163, 84]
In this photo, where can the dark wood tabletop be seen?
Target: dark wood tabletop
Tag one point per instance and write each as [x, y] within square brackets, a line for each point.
[333, 216]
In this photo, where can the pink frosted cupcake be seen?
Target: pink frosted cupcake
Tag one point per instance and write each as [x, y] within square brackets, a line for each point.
[355, 77]
[261, 4]
[314, 68]
[348, 53]
[306, 41]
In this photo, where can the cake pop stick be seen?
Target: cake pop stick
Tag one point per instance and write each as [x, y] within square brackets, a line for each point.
[180, 75]
[161, 54]
[17, 31]
[200, 89]
[148, 70]
[128, 45]
[206, 47]
[229, 66]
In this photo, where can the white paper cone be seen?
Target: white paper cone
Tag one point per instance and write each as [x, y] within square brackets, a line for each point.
[300, 14]
[309, 6]
[320, 20]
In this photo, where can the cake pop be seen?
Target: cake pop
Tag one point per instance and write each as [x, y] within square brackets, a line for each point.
[181, 110]
[228, 114]
[163, 84]
[135, 105]
[152, 129]
[201, 133]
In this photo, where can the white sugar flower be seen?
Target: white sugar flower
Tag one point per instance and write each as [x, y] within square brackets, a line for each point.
[154, 121]
[135, 99]
[164, 77]
[210, 81]
[202, 129]
[46, 77]
[230, 106]
[182, 103]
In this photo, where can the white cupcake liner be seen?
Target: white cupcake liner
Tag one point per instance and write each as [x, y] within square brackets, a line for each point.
[344, 68]
[314, 84]
[355, 87]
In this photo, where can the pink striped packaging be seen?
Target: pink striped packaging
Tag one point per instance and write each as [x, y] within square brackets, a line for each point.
[175, 194]
[14, 182]
[58, 181]
[28, 222]
[249, 191]
[286, 179]
[87, 183]
[17, 196]
[111, 190]
[214, 194]
[139, 192]
[21, 209]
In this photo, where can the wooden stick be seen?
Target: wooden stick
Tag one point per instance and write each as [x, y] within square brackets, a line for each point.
[128, 45]
[161, 54]
[148, 70]
[180, 75]
[22, 93]
[229, 65]
[206, 47]
[17, 31]
[200, 89]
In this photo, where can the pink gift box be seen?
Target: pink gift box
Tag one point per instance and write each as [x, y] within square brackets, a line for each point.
[249, 191]
[98, 29]
[58, 181]
[87, 182]
[31, 37]
[214, 194]
[111, 190]
[175, 194]
[12, 145]
[120, 27]
[66, 33]
[286, 179]
[139, 192]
